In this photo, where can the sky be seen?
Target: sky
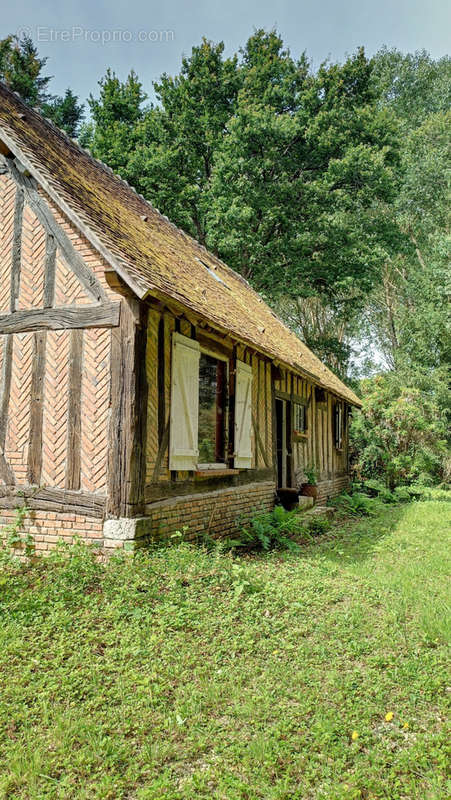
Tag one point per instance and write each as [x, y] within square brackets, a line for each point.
[82, 39]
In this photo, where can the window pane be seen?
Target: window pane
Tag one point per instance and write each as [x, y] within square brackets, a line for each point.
[299, 422]
[212, 393]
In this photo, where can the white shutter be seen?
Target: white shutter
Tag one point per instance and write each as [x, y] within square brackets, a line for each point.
[243, 416]
[183, 451]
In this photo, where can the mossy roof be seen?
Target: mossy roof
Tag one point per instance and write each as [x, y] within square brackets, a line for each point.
[149, 252]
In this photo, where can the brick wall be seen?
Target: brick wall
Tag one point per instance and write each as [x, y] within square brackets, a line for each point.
[48, 527]
[217, 513]
[331, 488]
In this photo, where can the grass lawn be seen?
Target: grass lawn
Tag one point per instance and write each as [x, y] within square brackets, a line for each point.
[186, 674]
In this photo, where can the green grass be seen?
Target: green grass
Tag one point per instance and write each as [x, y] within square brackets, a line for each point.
[185, 674]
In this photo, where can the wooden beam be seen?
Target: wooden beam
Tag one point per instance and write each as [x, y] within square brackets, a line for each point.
[59, 500]
[128, 418]
[161, 452]
[6, 473]
[117, 284]
[28, 186]
[16, 249]
[259, 442]
[73, 459]
[49, 275]
[36, 409]
[62, 318]
[5, 388]
[161, 372]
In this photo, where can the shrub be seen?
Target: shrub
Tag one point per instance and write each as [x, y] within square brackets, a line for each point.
[356, 504]
[269, 531]
[399, 436]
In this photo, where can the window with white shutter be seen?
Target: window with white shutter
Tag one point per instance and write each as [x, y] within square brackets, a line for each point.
[183, 440]
[243, 416]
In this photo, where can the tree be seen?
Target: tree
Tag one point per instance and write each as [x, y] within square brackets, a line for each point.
[400, 433]
[174, 158]
[412, 85]
[65, 112]
[21, 68]
[112, 135]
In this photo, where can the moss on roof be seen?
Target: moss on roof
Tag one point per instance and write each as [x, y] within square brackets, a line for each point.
[156, 256]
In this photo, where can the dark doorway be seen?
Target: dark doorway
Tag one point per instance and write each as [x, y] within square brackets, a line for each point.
[283, 442]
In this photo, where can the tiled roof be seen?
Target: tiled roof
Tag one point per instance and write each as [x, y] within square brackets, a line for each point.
[151, 254]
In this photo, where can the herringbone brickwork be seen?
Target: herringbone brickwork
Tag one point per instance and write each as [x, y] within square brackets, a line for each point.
[95, 397]
[54, 434]
[7, 198]
[68, 289]
[16, 447]
[31, 291]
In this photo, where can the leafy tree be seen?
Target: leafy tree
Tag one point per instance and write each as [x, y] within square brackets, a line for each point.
[276, 169]
[400, 434]
[21, 68]
[412, 85]
[112, 135]
[65, 112]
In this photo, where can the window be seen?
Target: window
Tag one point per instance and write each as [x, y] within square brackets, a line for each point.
[338, 426]
[320, 395]
[198, 431]
[299, 418]
[212, 410]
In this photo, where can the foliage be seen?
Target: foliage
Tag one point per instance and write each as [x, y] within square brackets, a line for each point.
[21, 68]
[112, 133]
[65, 112]
[268, 531]
[356, 504]
[311, 475]
[14, 536]
[148, 677]
[276, 168]
[400, 433]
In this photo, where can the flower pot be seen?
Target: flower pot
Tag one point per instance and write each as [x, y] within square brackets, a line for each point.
[309, 490]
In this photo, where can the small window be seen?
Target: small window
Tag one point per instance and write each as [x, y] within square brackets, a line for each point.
[338, 426]
[299, 418]
[212, 410]
[320, 395]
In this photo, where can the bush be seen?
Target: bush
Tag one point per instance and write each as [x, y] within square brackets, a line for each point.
[273, 530]
[399, 436]
[356, 504]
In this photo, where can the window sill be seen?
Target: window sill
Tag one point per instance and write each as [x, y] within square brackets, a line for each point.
[215, 473]
[300, 435]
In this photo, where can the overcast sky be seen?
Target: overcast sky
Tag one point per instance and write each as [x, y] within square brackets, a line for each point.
[83, 37]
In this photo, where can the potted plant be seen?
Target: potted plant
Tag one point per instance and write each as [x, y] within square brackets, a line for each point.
[310, 488]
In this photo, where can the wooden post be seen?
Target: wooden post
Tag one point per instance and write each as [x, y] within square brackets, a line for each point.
[128, 416]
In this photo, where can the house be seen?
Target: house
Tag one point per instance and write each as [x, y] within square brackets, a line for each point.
[144, 385]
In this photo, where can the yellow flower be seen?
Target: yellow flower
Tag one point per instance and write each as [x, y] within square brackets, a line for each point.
[389, 716]
[274, 652]
[354, 736]
[405, 726]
